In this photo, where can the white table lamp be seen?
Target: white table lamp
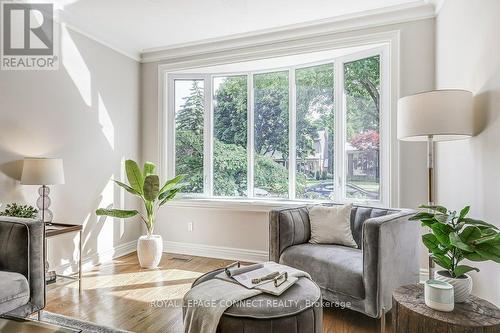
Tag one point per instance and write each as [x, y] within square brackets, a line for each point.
[439, 115]
[43, 171]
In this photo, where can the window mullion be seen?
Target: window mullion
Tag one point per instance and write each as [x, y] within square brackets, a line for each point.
[208, 138]
[170, 125]
[292, 114]
[339, 131]
[250, 136]
[385, 134]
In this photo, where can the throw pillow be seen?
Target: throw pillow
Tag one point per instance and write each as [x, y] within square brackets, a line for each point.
[331, 225]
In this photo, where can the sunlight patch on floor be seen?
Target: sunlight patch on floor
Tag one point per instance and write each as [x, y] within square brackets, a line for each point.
[136, 279]
[159, 293]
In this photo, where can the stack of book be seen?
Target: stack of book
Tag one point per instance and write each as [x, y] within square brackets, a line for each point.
[50, 277]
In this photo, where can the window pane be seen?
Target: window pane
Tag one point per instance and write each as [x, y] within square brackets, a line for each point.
[362, 90]
[315, 132]
[230, 136]
[271, 134]
[189, 114]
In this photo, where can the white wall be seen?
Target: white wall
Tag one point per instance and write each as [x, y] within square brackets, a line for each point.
[249, 229]
[86, 113]
[468, 57]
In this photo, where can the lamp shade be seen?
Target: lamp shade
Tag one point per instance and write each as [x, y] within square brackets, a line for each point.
[442, 114]
[42, 171]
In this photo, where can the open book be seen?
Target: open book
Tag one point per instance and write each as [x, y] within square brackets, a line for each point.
[258, 276]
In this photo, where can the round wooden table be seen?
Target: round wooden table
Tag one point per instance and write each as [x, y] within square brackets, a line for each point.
[410, 314]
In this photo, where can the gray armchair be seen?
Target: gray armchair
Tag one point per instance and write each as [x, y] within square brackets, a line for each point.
[386, 257]
[22, 266]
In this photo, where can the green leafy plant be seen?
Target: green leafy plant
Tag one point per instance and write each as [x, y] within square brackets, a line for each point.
[16, 210]
[146, 185]
[456, 237]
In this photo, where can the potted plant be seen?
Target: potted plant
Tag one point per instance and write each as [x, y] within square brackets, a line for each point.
[16, 210]
[146, 185]
[455, 237]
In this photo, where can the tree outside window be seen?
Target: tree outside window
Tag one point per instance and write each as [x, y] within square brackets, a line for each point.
[315, 132]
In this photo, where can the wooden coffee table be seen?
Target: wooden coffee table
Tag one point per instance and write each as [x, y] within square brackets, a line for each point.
[410, 314]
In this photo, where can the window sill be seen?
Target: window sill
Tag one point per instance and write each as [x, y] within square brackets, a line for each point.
[248, 205]
[252, 205]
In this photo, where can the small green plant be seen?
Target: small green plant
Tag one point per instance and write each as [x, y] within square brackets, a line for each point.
[146, 185]
[456, 237]
[15, 210]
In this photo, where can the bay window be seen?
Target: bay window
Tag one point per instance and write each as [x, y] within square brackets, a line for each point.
[230, 126]
[189, 124]
[315, 131]
[362, 112]
[299, 132]
[271, 139]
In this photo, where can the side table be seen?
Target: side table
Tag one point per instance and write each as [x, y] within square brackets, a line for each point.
[55, 229]
[410, 314]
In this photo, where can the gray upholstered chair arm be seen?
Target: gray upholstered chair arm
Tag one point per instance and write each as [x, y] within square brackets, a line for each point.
[287, 227]
[390, 257]
[22, 251]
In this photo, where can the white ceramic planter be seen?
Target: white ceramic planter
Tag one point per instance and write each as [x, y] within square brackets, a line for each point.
[462, 287]
[149, 251]
[439, 295]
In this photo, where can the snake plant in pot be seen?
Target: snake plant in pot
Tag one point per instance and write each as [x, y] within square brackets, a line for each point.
[455, 237]
[146, 185]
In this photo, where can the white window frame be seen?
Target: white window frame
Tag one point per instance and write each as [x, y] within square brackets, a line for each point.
[389, 184]
[384, 125]
[207, 130]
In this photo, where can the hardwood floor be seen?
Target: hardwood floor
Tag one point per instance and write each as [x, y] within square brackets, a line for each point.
[120, 294]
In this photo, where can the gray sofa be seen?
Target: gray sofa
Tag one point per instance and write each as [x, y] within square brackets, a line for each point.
[22, 268]
[365, 277]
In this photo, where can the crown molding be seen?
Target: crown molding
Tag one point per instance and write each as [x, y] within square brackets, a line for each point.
[290, 47]
[64, 18]
[438, 4]
[136, 56]
[413, 11]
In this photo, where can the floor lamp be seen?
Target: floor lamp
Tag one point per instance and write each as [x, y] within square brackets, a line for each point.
[439, 115]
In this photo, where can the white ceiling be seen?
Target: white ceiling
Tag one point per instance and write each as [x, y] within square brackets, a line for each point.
[135, 26]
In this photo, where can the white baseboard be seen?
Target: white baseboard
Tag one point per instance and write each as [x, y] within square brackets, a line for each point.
[424, 275]
[219, 252]
[98, 258]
